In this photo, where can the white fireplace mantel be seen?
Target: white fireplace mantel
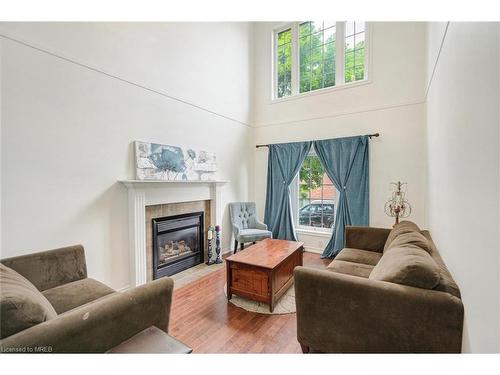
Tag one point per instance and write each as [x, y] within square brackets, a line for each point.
[142, 193]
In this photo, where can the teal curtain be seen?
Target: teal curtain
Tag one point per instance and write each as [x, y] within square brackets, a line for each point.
[284, 163]
[346, 163]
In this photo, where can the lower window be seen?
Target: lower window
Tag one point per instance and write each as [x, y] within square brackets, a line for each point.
[316, 196]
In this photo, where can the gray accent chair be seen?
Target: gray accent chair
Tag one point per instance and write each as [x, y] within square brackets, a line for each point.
[246, 225]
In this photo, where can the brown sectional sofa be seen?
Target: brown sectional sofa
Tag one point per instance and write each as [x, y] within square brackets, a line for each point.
[49, 304]
[385, 292]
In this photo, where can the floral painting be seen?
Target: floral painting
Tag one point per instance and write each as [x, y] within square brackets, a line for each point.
[163, 162]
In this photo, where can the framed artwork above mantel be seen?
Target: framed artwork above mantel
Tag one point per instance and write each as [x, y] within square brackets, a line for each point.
[156, 161]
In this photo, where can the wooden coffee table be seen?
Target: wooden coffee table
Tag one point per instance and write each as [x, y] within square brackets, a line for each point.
[263, 272]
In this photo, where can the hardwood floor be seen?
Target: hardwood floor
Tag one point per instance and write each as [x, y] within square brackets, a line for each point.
[203, 319]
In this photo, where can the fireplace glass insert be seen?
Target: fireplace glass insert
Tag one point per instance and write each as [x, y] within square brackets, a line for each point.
[177, 243]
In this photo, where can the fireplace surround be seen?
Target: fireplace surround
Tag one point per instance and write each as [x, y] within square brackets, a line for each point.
[147, 197]
[178, 243]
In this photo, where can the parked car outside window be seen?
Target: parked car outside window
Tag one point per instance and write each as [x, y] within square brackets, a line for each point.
[318, 213]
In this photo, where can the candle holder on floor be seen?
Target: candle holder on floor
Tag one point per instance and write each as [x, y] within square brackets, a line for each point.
[209, 238]
[218, 259]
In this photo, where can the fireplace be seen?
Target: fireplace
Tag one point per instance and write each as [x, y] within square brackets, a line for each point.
[177, 243]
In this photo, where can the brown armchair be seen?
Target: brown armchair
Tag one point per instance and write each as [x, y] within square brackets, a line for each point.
[90, 317]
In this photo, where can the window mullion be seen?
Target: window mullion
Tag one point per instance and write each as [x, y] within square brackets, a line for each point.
[295, 58]
[340, 54]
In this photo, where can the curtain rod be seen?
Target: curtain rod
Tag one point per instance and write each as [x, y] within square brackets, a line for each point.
[367, 135]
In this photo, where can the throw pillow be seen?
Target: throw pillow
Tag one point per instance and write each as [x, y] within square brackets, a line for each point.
[407, 266]
[21, 303]
[403, 227]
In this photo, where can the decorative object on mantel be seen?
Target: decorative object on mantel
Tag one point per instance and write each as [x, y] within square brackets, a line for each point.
[217, 245]
[209, 238]
[398, 205]
[163, 162]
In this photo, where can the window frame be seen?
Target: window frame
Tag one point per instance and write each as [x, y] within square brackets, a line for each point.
[340, 83]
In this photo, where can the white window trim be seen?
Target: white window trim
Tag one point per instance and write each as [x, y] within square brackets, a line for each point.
[339, 67]
[315, 233]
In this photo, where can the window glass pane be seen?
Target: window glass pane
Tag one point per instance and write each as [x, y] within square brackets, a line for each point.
[287, 51]
[305, 79]
[329, 35]
[304, 29]
[349, 74]
[329, 58]
[329, 80]
[316, 196]
[305, 45]
[354, 51]
[287, 37]
[327, 24]
[359, 56]
[359, 40]
[317, 40]
[316, 26]
[349, 28]
[349, 59]
[316, 76]
[359, 27]
[349, 43]
[316, 55]
[359, 72]
[288, 89]
[284, 63]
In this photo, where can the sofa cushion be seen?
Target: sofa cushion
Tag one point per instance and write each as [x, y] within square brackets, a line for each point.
[21, 304]
[411, 238]
[359, 256]
[68, 296]
[401, 228]
[409, 265]
[350, 268]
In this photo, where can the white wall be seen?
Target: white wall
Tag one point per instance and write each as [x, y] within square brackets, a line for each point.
[67, 130]
[392, 103]
[463, 209]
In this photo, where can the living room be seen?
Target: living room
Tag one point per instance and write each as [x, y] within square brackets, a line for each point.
[233, 186]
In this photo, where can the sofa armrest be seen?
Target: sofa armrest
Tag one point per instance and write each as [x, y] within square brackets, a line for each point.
[51, 268]
[102, 324]
[366, 238]
[339, 313]
[260, 225]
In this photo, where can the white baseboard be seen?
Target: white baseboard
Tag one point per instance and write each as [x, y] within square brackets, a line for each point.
[316, 250]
